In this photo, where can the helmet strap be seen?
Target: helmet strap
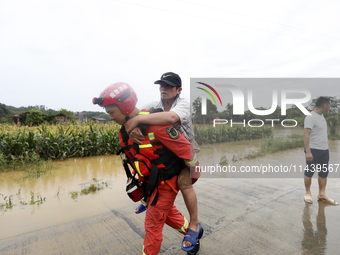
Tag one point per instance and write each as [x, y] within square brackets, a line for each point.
[127, 117]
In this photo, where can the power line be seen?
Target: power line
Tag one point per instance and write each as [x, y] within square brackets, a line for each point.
[273, 22]
[226, 22]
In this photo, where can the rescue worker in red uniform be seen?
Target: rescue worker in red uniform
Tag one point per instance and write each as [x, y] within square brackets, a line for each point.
[119, 100]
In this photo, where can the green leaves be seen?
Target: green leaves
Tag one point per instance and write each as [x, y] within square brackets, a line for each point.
[35, 118]
[57, 142]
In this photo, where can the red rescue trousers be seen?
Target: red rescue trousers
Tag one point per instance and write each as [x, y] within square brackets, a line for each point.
[163, 212]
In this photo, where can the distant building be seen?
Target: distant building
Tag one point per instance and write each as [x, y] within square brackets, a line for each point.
[81, 116]
[99, 120]
[211, 120]
[19, 119]
[16, 119]
[61, 118]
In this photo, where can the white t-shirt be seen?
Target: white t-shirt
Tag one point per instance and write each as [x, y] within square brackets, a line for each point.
[182, 108]
[318, 138]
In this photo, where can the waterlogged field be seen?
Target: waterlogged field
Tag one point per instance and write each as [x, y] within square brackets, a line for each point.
[221, 134]
[20, 145]
[33, 149]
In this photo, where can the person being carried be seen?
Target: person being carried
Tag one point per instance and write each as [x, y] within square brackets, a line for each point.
[157, 162]
[176, 111]
[316, 150]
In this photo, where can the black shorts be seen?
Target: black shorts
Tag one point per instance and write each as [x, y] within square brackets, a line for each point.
[319, 163]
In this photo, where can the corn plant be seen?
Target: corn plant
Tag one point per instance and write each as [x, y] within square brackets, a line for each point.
[19, 146]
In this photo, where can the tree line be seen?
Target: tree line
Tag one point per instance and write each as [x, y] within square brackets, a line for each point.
[40, 113]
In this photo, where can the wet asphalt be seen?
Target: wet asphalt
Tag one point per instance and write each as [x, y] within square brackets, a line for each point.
[239, 216]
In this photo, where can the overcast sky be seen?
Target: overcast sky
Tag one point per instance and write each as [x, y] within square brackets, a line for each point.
[61, 54]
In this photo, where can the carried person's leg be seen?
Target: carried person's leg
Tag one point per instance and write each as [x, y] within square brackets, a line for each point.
[189, 194]
[190, 199]
[142, 206]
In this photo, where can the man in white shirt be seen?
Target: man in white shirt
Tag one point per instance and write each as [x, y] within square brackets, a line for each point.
[316, 148]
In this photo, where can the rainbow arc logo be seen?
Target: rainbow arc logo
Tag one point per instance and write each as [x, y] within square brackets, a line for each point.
[204, 99]
[207, 91]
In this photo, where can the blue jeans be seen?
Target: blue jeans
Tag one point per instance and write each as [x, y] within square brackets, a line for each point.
[319, 163]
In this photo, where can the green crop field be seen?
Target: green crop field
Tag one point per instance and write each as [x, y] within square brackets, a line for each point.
[57, 141]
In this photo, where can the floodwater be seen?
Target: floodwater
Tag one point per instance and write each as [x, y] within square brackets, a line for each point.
[289, 163]
[74, 174]
[56, 186]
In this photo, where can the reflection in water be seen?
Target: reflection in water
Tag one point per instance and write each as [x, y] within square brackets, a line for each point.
[314, 241]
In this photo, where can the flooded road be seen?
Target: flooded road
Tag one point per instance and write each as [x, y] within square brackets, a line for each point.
[243, 215]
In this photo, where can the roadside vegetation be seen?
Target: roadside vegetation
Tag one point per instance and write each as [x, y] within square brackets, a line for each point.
[273, 145]
[333, 123]
[95, 186]
[222, 134]
[8, 201]
[24, 147]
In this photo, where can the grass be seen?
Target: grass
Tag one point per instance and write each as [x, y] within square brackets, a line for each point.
[271, 146]
[279, 144]
[220, 134]
[223, 161]
[39, 200]
[93, 187]
[8, 204]
[9, 200]
[74, 194]
[334, 137]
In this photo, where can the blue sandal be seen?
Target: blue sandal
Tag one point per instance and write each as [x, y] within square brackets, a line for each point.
[193, 237]
[141, 208]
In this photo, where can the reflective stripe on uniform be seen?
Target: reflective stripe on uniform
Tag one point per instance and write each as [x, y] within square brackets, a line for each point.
[137, 168]
[143, 113]
[145, 146]
[184, 228]
[191, 163]
[151, 136]
[143, 251]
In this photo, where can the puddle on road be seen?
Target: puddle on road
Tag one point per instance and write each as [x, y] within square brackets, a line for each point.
[71, 175]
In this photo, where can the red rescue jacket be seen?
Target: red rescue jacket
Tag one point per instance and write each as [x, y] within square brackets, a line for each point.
[163, 154]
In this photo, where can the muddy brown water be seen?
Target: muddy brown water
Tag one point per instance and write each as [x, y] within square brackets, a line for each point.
[74, 174]
[56, 185]
[290, 163]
